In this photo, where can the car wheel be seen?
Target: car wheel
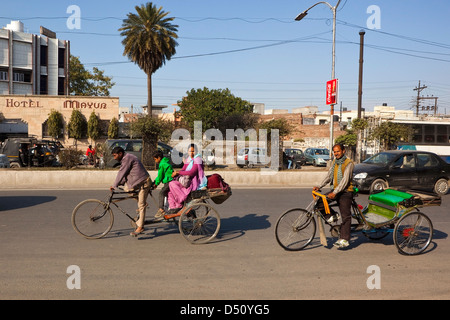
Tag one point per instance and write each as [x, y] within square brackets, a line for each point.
[14, 165]
[378, 185]
[441, 187]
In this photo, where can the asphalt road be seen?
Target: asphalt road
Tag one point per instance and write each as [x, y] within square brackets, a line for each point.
[39, 249]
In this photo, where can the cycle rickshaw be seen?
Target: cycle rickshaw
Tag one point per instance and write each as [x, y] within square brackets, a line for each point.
[198, 221]
[389, 211]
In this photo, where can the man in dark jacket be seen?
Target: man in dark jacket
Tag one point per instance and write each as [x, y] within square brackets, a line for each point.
[135, 178]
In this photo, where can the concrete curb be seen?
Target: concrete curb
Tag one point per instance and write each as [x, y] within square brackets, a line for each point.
[98, 179]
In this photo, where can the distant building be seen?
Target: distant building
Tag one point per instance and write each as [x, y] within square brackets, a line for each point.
[33, 64]
[258, 108]
[156, 109]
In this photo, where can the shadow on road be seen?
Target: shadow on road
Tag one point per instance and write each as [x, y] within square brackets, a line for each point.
[19, 202]
[234, 227]
[230, 228]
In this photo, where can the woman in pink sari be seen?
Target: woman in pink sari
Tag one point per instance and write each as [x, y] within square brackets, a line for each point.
[179, 189]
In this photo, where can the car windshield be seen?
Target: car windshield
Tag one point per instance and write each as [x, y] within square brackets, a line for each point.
[381, 158]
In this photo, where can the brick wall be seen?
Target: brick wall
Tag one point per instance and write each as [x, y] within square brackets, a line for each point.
[305, 132]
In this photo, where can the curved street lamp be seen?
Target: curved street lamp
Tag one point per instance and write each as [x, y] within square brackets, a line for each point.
[333, 55]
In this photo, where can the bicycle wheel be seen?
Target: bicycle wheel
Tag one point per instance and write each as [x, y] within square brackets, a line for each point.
[413, 233]
[93, 219]
[199, 223]
[295, 229]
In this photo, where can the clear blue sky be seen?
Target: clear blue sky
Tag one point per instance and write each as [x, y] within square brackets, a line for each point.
[273, 60]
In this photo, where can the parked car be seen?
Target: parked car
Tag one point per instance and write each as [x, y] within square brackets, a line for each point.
[4, 161]
[134, 146]
[403, 169]
[317, 156]
[251, 156]
[296, 156]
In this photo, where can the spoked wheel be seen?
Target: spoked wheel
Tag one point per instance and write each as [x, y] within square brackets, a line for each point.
[199, 223]
[413, 233]
[295, 229]
[93, 219]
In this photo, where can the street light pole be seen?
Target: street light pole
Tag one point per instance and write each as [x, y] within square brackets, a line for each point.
[333, 55]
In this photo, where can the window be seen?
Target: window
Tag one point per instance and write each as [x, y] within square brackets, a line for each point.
[417, 133]
[44, 55]
[61, 57]
[20, 77]
[61, 86]
[405, 162]
[425, 160]
[441, 134]
[43, 84]
[429, 133]
[4, 75]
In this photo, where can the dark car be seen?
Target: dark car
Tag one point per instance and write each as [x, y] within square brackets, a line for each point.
[403, 169]
[296, 156]
[134, 146]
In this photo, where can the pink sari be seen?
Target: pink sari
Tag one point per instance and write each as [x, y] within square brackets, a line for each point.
[194, 169]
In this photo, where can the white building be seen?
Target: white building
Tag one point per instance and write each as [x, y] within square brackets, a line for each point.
[33, 64]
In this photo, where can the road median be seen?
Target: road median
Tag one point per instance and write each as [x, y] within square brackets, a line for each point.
[99, 179]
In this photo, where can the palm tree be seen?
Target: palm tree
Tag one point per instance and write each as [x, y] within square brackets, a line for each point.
[149, 41]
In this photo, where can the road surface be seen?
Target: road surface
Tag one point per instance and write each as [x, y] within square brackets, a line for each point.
[42, 257]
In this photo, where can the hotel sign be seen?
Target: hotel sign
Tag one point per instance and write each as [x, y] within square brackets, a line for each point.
[67, 104]
[28, 103]
[84, 105]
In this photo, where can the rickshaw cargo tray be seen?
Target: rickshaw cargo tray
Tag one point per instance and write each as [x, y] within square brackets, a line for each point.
[393, 198]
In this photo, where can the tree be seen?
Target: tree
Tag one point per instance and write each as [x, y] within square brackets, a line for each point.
[93, 127]
[113, 129]
[149, 41]
[85, 83]
[213, 107]
[150, 129]
[77, 125]
[55, 124]
[350, 138]
[390, 133]
[284, 129]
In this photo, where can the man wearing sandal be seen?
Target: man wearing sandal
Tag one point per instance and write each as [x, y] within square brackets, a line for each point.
[133, 176]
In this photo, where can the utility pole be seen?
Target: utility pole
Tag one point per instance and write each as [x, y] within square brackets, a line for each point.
[361, 61]
[418, 89]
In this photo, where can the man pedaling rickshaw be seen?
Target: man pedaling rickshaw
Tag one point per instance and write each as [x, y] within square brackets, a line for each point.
[340, 178]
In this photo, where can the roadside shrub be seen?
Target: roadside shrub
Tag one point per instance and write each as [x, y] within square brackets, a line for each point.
[70, 157]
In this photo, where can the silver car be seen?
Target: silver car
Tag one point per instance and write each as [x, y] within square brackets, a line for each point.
[317, 156]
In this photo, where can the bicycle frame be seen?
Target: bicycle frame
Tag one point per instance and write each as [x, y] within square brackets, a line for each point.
[114, 201]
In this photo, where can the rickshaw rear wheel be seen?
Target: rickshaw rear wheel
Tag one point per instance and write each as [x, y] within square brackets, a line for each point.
[413, 233]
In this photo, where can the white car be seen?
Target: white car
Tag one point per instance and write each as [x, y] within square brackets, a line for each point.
[251, 156]
[4, 161]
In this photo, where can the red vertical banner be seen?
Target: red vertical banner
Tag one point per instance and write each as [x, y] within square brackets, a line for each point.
[332, 92]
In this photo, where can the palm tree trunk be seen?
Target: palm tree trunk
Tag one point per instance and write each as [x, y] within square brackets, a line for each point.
[149, 94]
[149, 141]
